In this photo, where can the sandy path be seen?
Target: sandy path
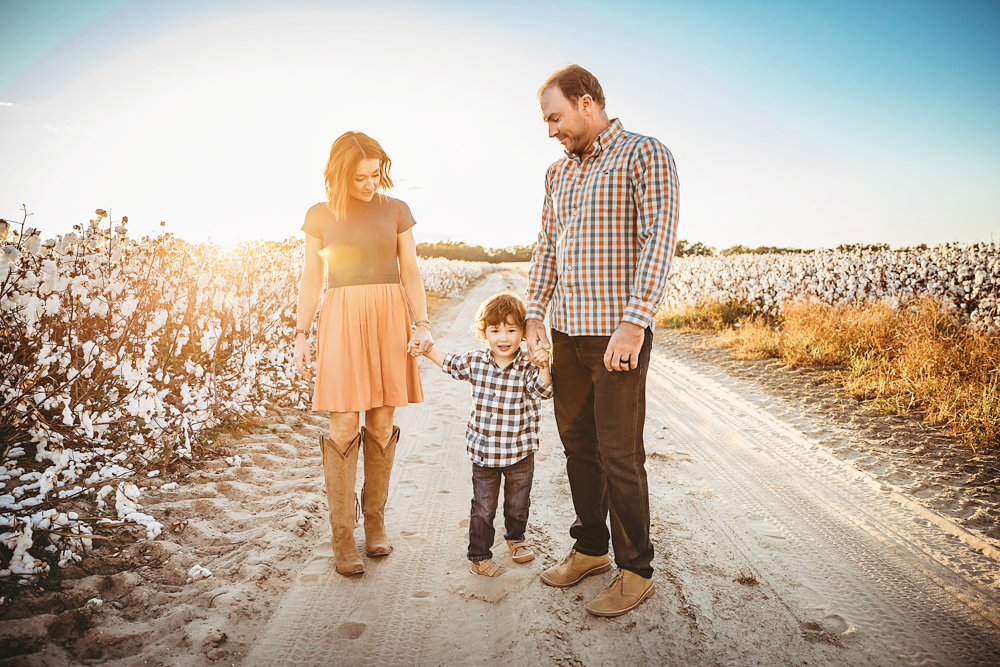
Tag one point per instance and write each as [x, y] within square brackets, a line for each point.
[851, 571]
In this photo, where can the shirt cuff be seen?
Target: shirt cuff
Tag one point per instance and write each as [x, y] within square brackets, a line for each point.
[639, 313]
[535, 311]
[544, 390]
[446, 365]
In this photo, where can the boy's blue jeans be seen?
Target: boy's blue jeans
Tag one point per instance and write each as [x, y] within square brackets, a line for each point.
[485, 496]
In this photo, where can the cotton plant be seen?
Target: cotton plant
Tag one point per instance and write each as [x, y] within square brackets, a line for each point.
[965, 278]
[118, 355]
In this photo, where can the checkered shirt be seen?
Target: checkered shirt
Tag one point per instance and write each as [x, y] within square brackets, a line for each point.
[506, 403]
[609, 224]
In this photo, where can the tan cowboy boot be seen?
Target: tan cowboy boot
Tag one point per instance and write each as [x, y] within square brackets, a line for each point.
[623, 594]
[575, 568]
[375, 492]
[340, 470]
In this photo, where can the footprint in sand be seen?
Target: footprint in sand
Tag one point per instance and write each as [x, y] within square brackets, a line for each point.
[835, 624]
[350, 630]
[315, 570]
[421, 594]
[414, 540]
[366, 613]
[464, 523]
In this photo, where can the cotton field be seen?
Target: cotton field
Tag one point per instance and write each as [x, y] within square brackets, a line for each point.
[965, 278]
[118, 355]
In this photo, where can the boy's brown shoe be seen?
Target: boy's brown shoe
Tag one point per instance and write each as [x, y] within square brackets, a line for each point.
[487, 568]
[575, 569]
[519, 551]
[625, 592]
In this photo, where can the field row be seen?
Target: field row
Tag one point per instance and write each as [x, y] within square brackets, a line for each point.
[965, 278]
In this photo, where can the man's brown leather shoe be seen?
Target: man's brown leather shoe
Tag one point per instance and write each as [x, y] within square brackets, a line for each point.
[623, 594]
[575, 569]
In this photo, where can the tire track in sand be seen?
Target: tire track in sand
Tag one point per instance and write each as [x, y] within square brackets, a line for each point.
[846, 556]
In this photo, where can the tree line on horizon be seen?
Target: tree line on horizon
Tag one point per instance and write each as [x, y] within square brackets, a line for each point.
[475, 253]
[522, 253]
[687, 249]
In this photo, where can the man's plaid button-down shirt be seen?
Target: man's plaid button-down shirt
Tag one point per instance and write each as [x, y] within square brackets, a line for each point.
[609, 224]
[506, 404]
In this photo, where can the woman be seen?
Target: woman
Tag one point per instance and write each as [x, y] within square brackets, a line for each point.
[363, 360]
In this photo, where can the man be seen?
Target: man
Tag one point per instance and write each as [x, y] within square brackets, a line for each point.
[608, 231]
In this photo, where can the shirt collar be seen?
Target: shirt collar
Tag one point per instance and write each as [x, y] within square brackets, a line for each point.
[604, 140]
[519, 359]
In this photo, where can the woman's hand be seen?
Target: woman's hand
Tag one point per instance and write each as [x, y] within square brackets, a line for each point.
[421, 342]
[301, 357]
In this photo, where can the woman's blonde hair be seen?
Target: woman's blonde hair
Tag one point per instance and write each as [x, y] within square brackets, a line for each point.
[347, 151]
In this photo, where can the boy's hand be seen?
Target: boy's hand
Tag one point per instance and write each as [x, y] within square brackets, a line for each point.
[540, 357]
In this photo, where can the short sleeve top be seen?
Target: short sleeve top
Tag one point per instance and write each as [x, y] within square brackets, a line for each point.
[360, 249]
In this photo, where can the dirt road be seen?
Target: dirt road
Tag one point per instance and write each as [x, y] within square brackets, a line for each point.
[849, 570]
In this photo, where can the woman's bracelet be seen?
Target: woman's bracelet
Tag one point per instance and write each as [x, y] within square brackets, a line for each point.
[425, 323]
[304, 332]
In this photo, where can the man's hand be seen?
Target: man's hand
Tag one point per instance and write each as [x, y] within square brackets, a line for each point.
[534, 333]
[624, 346]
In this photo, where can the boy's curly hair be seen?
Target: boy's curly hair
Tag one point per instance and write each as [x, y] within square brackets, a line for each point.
[501, 308]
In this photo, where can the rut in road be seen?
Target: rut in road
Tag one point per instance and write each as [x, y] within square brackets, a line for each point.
[849, 572]
[909, 579]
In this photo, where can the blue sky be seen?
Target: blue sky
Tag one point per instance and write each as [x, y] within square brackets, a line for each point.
[792, 124]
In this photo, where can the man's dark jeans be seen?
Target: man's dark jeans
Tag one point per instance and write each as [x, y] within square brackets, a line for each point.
[600, 415]
[485, 495]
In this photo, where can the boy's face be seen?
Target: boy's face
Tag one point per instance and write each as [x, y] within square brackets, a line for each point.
[504, 339]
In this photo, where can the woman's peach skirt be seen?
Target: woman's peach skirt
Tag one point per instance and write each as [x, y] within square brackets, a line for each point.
[362, 362]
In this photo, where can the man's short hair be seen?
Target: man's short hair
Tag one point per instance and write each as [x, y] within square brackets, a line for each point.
[574, 82]
[499, 309]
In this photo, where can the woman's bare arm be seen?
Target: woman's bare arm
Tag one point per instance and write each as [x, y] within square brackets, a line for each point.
[409, 274]
[310, 287]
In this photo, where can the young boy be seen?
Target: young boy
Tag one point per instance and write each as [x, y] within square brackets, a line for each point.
[502, 435]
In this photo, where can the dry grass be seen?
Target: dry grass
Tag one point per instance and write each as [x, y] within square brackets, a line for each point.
[916, 358]
[712, 315]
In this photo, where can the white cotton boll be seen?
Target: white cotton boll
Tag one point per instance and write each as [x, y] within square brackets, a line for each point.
[90, 349]
[131, 491]
[103, 493]
[153, 527]
[129, 305]
[99, 307]
[153, 473]
[88, 423]
[34, 244]
[78, 288]
[198, 572]
[52, 305]
[169, 486]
